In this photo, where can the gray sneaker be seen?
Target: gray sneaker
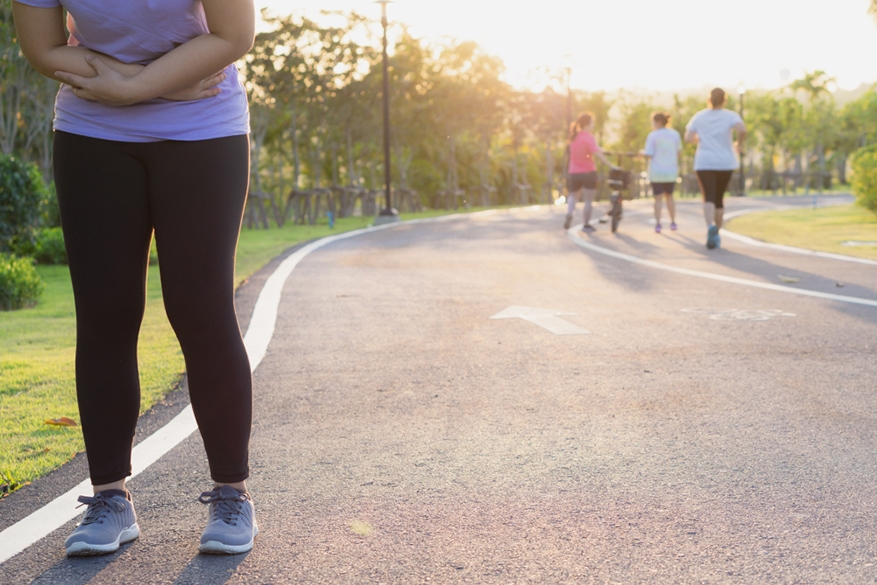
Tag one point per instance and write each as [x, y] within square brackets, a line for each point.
[109, 521]
[231, 528]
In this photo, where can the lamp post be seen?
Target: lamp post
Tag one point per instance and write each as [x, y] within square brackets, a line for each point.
[568, 59]
[387, 214]
[741, 91]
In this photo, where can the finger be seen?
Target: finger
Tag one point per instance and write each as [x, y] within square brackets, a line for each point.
[98, 65]
[214, 81]
[71, 78]
[84, 94]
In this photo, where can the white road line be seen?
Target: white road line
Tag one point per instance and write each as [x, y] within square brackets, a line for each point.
[730, 279]
[62, 509]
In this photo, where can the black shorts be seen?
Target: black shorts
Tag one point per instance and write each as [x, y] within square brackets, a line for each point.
[578, 181]
[663, 188]
[713, 185]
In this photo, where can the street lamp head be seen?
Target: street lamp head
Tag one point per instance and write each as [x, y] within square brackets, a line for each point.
[383, 4]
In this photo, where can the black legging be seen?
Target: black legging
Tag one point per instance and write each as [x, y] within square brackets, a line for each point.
[713, 185]
[112, 196]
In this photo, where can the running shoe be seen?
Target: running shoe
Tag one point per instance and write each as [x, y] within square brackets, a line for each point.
[109, 522]
[567, 222]
[673, 226]
[718, 239]
[712, 235]
[231, 527]
[657, 228]
[588, 228]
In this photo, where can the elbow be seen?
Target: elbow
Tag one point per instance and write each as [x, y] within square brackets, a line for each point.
[41, 62]
[239, 41]
[236, 46]
[243, 44]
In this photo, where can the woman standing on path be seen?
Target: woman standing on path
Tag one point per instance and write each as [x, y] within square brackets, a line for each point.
[715, 160]
[150, 138]
[582, 177]
[663, 147]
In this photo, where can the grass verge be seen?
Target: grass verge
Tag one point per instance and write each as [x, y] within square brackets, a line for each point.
[824, 229]
[37, 355]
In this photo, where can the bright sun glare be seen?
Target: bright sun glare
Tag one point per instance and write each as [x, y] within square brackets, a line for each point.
[658, 46]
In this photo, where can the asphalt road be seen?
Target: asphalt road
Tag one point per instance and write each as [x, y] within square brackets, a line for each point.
[699, 432]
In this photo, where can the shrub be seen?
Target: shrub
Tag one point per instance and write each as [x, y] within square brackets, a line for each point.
[49, 247]
[45, 247]
[22, 195]
[20, 285]
[50, 214]
[864, 180]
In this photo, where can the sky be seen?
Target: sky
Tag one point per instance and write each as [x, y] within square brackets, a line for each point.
[671, 45]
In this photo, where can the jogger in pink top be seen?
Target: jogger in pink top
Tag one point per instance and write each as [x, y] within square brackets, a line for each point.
[582, 177]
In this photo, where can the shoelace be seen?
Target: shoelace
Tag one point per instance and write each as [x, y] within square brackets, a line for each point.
[227, 506]
[98, 508]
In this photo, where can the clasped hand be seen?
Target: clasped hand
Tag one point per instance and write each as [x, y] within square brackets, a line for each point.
[112, 88]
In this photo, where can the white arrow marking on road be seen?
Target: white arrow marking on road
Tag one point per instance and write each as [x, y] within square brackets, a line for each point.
[545, 318]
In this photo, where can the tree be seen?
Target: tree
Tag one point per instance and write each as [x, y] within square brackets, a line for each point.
[820, 113]
[26, 101]
[815, 84]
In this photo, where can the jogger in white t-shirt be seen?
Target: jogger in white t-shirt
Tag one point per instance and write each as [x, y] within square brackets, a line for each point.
[663, 146]
[716, 158]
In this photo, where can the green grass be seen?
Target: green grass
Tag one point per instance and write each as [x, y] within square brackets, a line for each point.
[823, 229]
[37, 354]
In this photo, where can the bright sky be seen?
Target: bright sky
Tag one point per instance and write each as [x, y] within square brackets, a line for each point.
[647, 44]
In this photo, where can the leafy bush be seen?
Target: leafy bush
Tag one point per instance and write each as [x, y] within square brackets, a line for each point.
[49, 247]
[46, 247]
[22, 195]
[50, 214]
[864, 181]
[20, 285]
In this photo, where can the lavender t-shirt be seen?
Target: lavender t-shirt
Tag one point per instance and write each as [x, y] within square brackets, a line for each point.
[141, 32]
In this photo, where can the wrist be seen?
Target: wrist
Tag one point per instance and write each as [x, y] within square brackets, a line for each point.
[130, 91]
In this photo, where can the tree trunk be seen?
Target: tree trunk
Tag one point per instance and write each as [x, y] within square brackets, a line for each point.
[10, 106]
[334, 150]
[296, 159]
[352, 179]
[549, 168]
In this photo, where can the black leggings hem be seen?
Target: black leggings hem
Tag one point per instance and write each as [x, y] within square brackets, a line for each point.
[713, 185]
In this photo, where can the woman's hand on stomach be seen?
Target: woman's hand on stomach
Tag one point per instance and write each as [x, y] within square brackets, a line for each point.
[203, 89]
[111, 87]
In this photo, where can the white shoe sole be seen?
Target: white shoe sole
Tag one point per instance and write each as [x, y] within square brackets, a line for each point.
[214, 547]
[85, 549]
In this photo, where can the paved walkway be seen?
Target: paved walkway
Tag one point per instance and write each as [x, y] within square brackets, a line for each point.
[688, 430]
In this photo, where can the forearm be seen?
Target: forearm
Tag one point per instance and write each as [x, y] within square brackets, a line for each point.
[603, 158]
[189, 69]
[43, 41]
[232, 26]
[187, 64]
[73, 60]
